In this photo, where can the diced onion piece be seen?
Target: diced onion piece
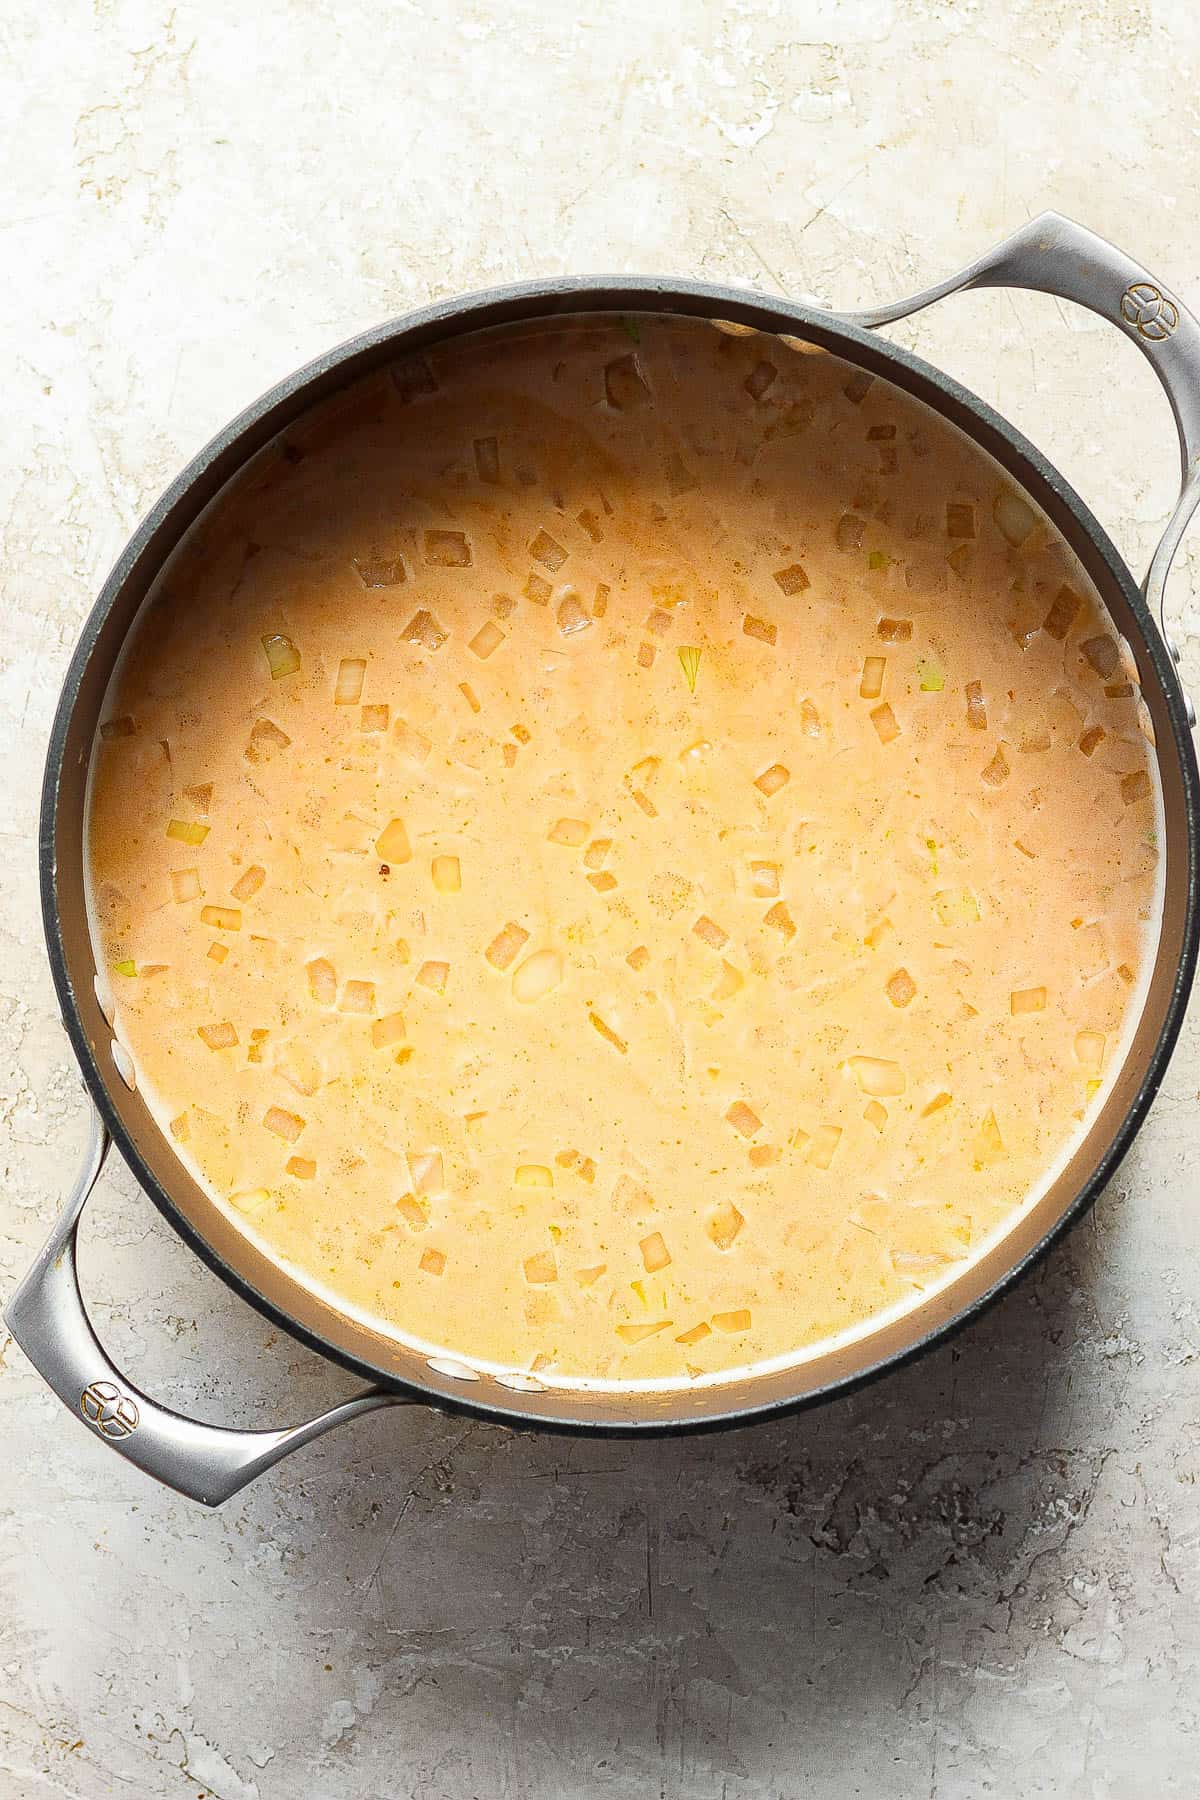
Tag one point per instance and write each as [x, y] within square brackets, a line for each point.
[646, 655]
[424, 629]
[250, 1201]
[587, 1277]
[736, 1321]
[298, 1066]
[265, 739]
[1135, 786]
[537, 976]
[392, 844]
[413, 1212]
[302, 1167]
[884, 720]
[990, 1142]
[624, 388]
[388, 1030]
[433, 975]
[1089, 1049]
[487, 639]
[447, 549]
[997, 771]
[960, 559]
[878, 1076]
[185, 884]
[956, 906]
[1027, 1000]
[249, 882]
[871, 685]
[689, 659]
[258, 1038]
[772, 779]
[608, 1034]
[218, 1037]
[895, 631]
[696, 1335]
[533, 1175]
[655, 1254]
[538, 589]
[762, 1155]
[374, 718]
[283, 658]
[960, 520]
[848, 534]
[447, 874]
[284, 1124]
[761, 377]
[780, 919]
[743, 1118]
[1103, 655]
[1063, 610]
[349, 685]
[218, 952]
[878, 932]
[1014, 517]
[810, 719]
[572, 615]
[930, 678]
[222, 917]
[638, 957]
[875, 1114]
[637, 1334]
[540, 1268]
[487, 459]
[506, 945]
[731, 982]
[596, 854]
[723, 1224]
[825, 1141]
[427, 1171]
[358, 997]
[410, 743]
[936, 1105]
[710, 933]
[118, 728]
[200, 795]
[186, 831]
[322, 981]
[976, 706]
[792, 580]
[547, 551]
[572, 832]
[764, 880]
[762, 629]
[433, 1262]
[900, 987]
[646, 803]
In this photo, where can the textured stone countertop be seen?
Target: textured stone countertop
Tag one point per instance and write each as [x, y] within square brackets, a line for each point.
[980, 1577]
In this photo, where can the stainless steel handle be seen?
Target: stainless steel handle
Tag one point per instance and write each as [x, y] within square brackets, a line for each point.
[1053, 255]
[49, 1321]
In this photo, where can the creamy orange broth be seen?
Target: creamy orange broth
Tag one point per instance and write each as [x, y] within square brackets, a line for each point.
[623, 851]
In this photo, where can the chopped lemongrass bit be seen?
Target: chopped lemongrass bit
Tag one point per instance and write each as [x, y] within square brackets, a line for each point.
[572, 615]
[596, 854]
[875, 1114]
[127, 968]
[689, 659]
[638, 957]
[540, 1268]
[997, 771]
[608, 1034]
[322, 981]
[392, 844]
[736, 1321]
[1063, 610]
[433, 975]
[743, 1118]
[637, 1334]
[976, 706]
[1135, 786]
[250, 1200]
[764, 880]
[506, 945]
[433, 1262]
[283, 658]
[588, 1277]
[780, 919]
[1089, 1048]
[349, 685]
[884, 720]
[487, 460]
[848, 534]
[265, 739]
[696, 1335]
[871, 685]
[731, 982]
[960, 520]
[877, 933]
[824, 1145]
[900, 987]
[772, 779]
[185, 884]
[185, 831]
[424, 629]
[287, 1125]
[374, 718]
[447, 874]
[710, 933]
[655, 1254]
[218, 952]
[1027, 1000]
[249, 882]
[410, 743]
[878, 559]
[571, 832]
[791, 580]
[936, 1105]
[533, 1175]
[762, 629]
[895, 631]
[302, 1167]
[222, 918]
[357, 997]
[878, 1076]
[1014, 517]
[932, 681]
[537, 976]
[218, 1037]
[447, 549]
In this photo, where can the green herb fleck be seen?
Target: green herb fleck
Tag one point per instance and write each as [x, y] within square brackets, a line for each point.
[931, 678]
[878, 559]
[126, 968]
[931, 846]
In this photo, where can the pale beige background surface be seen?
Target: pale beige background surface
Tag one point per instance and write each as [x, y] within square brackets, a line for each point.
[980, 1578]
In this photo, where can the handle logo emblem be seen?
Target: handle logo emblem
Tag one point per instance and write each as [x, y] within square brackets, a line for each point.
[113, 1413]
[1152, 313]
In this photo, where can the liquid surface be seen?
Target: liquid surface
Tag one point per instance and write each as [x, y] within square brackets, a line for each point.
[622, 852]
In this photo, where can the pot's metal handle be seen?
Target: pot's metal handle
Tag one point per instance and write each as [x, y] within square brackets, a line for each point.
[1053, 255]
[48, 1319]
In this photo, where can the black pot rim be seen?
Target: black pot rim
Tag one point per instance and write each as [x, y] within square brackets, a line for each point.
[276, 408]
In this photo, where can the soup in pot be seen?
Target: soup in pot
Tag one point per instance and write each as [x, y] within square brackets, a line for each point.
[622, 850]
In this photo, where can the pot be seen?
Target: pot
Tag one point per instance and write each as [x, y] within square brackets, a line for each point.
[46, 1314]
